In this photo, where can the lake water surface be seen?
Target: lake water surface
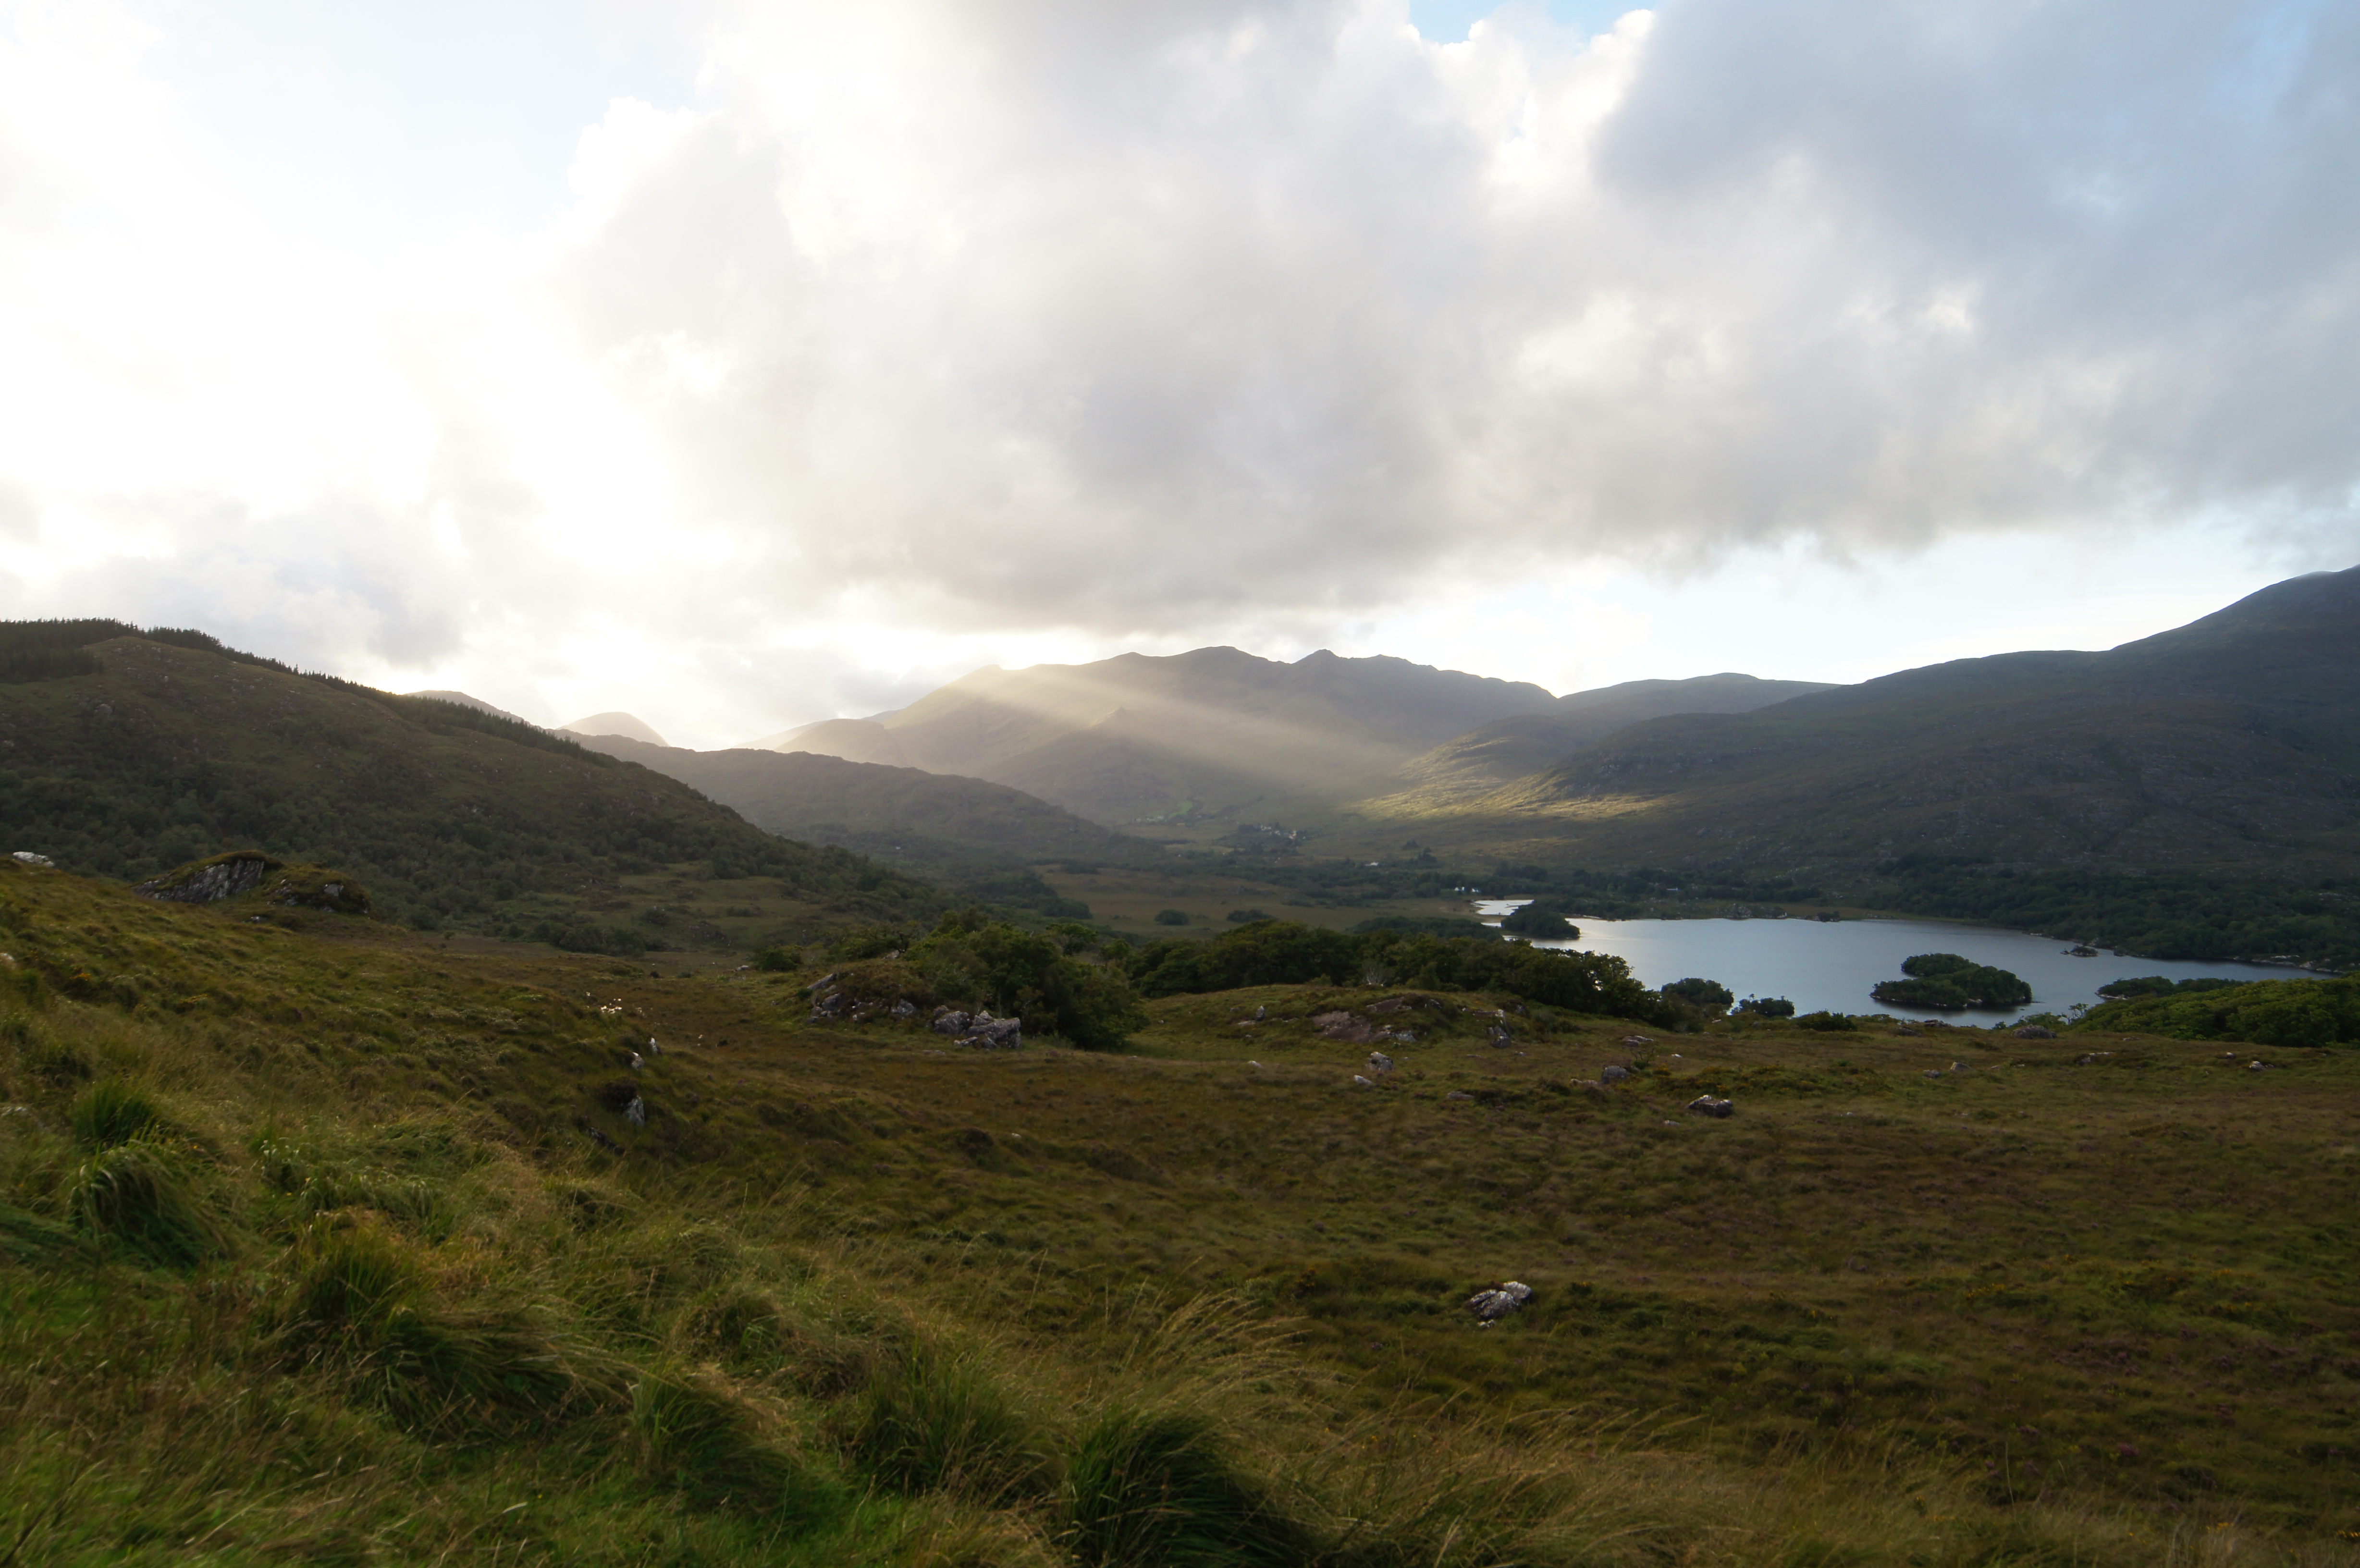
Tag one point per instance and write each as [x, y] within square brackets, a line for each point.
[1832, 965]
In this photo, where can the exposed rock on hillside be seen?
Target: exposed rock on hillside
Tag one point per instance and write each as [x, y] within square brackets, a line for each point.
[210, 881]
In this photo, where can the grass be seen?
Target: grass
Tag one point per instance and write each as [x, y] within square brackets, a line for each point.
[849, 1295]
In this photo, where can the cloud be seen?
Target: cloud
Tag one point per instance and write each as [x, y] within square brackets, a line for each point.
[1030, 310]
[930, 330]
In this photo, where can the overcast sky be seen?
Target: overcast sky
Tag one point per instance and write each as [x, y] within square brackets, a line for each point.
[742, 365]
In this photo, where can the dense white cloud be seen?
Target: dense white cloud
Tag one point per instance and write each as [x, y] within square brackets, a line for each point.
[922, 331]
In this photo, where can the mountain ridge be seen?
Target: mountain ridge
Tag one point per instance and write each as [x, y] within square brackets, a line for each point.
[2228, 743]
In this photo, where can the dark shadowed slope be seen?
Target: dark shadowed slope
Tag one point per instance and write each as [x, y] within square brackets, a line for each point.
[1516, 748]
[164, 754]
[2230, 743]
[934, 822]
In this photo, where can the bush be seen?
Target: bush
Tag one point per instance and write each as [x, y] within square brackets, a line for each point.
[1244, 917]
[1171, 917]
[1024, 975]
[870, 942]
[1710, 996]
[1767, 1006]
[1827, 1023]
[1159, 1488]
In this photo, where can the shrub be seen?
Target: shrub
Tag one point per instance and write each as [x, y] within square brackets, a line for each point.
[112, 1112]
[1244, 917]
[1159, 1488]
[1767, 1006]
[1021, 974]
[142, 1194]
[1827, 1023]
[1709, 997]
[870, 942]
[774, 960]
[1171, 917]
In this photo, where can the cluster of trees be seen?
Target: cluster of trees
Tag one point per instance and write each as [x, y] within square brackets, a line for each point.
[1948, 980]
[2267, 1012]
[1288, 952]
[1542, 920]
[2167, 915]
[969, 958]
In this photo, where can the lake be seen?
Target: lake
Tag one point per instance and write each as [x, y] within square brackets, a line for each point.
[1833, 965]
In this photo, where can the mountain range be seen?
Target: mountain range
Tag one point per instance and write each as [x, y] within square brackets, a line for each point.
[1217, 730]
[2225, 754]
[2228, 745]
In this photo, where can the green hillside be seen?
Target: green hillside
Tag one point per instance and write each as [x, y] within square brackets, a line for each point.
[148, 754]
[968, 835]
[337, 1244]
[1505, 750]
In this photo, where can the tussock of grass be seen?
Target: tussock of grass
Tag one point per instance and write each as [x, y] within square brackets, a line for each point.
[361, 1304]
[145, 1194]
[1148, 1487]
[940, 1420]
[112, 1111]
[699, 1438]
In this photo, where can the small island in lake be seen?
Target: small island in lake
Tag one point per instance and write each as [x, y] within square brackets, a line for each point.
[1948, 980]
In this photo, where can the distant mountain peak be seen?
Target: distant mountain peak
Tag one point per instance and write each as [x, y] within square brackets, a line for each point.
[617, 724]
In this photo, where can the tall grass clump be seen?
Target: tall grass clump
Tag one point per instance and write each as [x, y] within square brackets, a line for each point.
[702, 1442]
[114, 1111]
[940, 1421]
[360, 1303]
[1163, 1487]
[144, 1193]
[317, 1185]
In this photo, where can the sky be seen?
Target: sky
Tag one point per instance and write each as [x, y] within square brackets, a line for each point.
[740, 364]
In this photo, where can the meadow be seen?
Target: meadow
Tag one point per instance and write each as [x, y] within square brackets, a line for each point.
[325, 1241]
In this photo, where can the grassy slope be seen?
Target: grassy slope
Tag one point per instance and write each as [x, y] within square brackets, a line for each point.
[2039, 1311]
[1138, 736]
[1504, 750]
[2223, 746]
[172, 754]
[935, 821]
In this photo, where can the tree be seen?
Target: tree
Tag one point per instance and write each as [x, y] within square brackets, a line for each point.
[1706, 996]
